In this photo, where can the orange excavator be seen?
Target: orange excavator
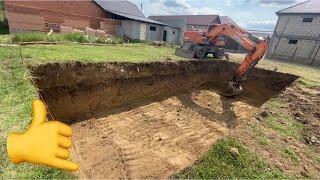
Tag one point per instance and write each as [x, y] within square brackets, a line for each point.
[198, 45]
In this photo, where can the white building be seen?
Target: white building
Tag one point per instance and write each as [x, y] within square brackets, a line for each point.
[297, 34]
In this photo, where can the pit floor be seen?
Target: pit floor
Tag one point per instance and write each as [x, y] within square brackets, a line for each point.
[156, 139]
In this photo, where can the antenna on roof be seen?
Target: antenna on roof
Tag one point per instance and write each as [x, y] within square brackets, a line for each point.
[141, 6]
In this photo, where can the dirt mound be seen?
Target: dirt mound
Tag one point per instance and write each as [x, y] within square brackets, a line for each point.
[286, 133]
[304, 106]
[149, 120]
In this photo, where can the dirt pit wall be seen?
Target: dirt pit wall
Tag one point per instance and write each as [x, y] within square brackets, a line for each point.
[80, 91]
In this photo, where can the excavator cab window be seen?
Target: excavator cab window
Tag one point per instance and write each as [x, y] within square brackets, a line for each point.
[211, 27]
[221, 40]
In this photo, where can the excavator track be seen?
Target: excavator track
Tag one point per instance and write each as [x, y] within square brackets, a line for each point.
[184, 53]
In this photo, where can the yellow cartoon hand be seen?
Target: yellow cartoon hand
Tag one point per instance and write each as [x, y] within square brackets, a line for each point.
[44, 142]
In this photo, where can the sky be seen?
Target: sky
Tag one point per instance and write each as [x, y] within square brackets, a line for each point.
[250, 14]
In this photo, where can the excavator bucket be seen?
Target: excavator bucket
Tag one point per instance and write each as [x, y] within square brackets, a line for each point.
[232, 90]
[184, 53]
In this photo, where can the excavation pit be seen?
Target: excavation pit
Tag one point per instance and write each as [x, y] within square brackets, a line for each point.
[149, 120]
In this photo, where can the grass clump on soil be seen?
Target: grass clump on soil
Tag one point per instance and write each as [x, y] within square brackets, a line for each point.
[16, 94]
[220, 163]
[261, 136]
[281, 121]
[287, 152]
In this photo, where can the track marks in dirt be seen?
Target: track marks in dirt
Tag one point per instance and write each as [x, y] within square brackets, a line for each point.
[155, 140]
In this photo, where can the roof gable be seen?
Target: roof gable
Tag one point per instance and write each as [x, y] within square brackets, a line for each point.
[227, 20]
[307, 7]
[125, 9]
[120, 6]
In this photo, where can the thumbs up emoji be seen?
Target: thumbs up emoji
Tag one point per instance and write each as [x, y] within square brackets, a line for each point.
[44, 142]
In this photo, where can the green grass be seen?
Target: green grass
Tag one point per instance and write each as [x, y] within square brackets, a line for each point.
[219, 163]
[290, 154]
[65, 37]
[261, 136]
[73, 52]
[281, 121]
[309, 75]
[16, 94]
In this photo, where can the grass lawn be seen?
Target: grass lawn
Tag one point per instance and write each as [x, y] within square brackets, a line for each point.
[16, 94]
[37, 54]
[221, 163]
[309, 75]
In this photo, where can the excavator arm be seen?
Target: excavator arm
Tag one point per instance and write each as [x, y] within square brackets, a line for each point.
[215, 37]
[255, 53]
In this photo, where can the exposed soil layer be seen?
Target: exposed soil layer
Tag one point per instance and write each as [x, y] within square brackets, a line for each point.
[80, 91]
[149, 120]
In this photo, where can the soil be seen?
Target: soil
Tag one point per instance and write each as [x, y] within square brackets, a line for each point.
[303, 106]
[150, 120]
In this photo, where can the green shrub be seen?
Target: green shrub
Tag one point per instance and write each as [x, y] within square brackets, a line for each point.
[136, 41]
[29, 37]
[55, 38]
[67, 37]
[75, 37]
[118, 40]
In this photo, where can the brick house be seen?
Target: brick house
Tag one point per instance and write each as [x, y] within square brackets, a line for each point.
[46, 15]
[297, 34]
[115, 17]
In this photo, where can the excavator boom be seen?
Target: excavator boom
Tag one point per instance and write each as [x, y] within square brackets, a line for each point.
[245, 68]
[199, 45]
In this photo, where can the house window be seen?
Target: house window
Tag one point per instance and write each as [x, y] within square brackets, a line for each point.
[153, 28]
[293, 41]
[307, 20]
[174, 32]
[53, 26]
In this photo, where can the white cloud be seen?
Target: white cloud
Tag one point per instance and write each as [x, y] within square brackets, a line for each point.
[228, 2]
[275, 2]
[175, 7]
[261, 25]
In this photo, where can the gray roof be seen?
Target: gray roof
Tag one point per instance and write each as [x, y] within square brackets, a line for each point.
[125, 9]
[190, 19]
[227, 20]
[307, 7]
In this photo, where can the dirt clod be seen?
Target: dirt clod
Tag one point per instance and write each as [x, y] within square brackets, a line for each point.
[234, 151]
[264, 114]
[304, 173]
